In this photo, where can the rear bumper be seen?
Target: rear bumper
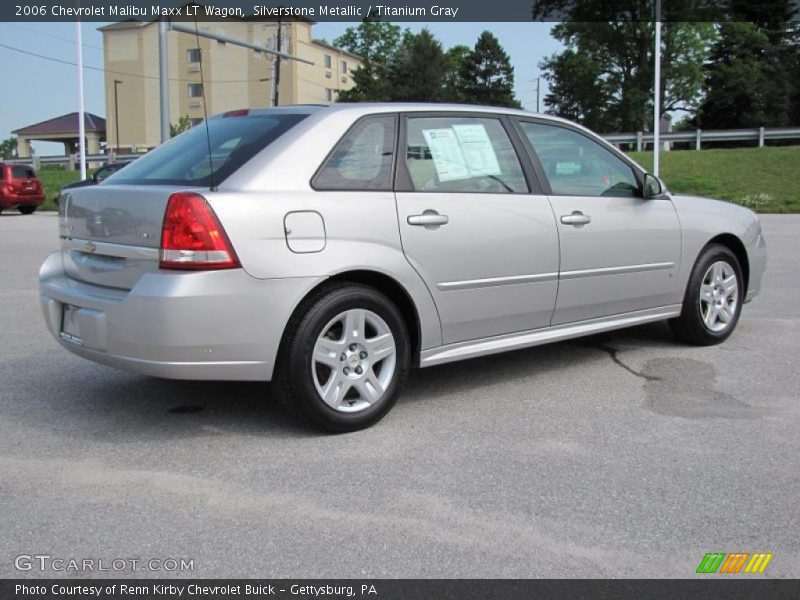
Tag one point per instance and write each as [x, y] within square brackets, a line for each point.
[212, 325]
[8, 200]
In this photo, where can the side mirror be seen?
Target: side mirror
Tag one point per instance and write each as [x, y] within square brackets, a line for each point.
[653, 186]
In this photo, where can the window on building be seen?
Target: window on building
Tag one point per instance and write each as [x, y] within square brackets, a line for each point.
[193, 55]
[328, 95]
[344, 67]
[328, 61]
[195, 90]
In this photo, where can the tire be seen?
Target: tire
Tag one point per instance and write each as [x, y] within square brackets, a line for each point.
[341, 382]
[26, 210]
[712, 276]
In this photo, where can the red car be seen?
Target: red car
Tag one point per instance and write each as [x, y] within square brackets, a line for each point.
[20, 187]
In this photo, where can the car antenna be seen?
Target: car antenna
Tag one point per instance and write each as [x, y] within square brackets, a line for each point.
[213, 186]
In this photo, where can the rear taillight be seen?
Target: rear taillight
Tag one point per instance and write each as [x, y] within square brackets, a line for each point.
[192, 236]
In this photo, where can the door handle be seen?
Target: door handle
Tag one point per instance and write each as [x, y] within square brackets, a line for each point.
[577, 218]
[429, 218]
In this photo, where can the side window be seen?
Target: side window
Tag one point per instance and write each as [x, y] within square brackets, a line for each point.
[462, 154]
[578, 166]
[362, 160]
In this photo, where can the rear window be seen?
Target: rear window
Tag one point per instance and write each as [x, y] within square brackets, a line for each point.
[22, 172]
[185, 161]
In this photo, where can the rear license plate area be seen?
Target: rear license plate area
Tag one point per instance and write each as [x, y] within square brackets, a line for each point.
[70, 330]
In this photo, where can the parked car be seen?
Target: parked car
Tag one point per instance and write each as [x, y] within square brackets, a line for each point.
[330, 249]
[20, 188]
[99, 175]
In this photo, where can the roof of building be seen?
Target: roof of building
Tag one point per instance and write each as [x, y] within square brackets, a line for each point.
[65, 124]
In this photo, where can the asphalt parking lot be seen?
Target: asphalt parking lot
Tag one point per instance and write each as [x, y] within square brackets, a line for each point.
[620, 455]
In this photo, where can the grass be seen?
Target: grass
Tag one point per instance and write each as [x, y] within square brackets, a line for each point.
[762, 179]
[52, 179]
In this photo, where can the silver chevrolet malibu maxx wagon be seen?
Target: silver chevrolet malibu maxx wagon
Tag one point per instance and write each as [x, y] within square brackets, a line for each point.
[329, 249]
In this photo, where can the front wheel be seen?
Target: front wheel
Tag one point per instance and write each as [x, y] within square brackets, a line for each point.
[344, 358]
[26, 210]
[713, 300]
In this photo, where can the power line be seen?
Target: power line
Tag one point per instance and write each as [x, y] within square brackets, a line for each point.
[111, 71]
[51, 35]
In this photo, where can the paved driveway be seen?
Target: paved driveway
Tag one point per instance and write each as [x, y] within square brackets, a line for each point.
[623, 454]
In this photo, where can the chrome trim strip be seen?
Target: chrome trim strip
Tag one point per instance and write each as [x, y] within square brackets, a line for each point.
[448, 286]
[108, 249]
[537, 337]
[617, 270]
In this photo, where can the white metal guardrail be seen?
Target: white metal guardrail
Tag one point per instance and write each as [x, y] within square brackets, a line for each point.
[637, 139]
[699, 136]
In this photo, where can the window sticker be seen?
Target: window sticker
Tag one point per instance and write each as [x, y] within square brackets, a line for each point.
[448, 158]
[462, 152]
[478, 151]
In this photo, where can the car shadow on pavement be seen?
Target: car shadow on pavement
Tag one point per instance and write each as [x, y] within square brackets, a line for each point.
[77, 398]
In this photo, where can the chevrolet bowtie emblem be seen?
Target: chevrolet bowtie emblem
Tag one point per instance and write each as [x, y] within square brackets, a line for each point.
[90, 247]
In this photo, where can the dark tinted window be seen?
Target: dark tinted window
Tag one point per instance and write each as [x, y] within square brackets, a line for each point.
[185, 161]
[362, 160]
[22, 172]
[462, 154]
[578, 166]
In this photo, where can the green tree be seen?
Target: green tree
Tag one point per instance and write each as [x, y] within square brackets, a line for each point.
[752, 74]
[736, 82]
[376, 43]
[183, 124]
[417, 71]
[577, 89]
[486, 74]
[8, 148]
[454, 60]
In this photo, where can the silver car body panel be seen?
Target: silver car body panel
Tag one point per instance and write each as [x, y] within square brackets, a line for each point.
[624, 260]
[503, 273]
[546, 335]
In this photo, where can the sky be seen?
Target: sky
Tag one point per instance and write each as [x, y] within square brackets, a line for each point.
[38, 89]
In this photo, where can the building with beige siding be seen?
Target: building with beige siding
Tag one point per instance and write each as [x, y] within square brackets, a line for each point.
[235, 77]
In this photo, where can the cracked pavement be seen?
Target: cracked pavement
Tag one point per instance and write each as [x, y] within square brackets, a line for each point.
[598, 457]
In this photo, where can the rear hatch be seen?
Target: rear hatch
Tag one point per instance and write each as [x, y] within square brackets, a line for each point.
[24, 182]
[111, 233]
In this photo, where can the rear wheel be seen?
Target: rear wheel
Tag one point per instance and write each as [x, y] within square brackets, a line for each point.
[26, 210]
[713, 300]
[344, 358]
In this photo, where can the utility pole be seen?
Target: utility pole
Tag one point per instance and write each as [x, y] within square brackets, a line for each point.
[276, 79]
[117, 82]
[81, 124]
[538, 84]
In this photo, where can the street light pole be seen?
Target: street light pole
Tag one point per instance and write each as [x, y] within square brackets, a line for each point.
[657, 91]
[81, 124]
[116, 116]
[538, 84]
